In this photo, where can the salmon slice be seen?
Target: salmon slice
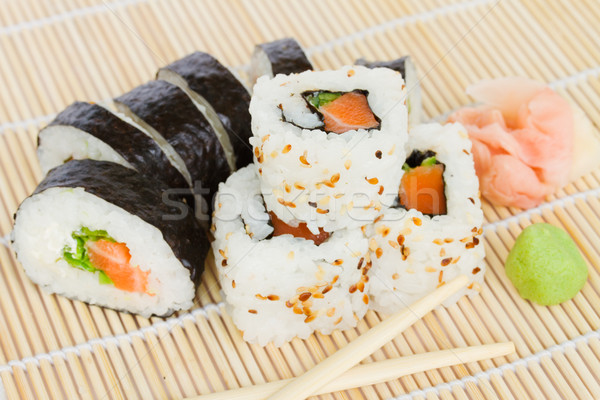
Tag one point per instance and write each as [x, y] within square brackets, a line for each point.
[301, 231]
[349, 111]
[113, 258]
[422, 188]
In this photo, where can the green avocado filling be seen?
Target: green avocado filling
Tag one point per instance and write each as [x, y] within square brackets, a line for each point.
[320, 98]
[79, 258]
[428, 162]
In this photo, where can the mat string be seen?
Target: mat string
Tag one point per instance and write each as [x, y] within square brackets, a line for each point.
[512, 366]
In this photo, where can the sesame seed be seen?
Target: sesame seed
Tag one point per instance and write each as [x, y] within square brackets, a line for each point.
[455, 260]
[378, 154]
[339, 261]
[361, 286]
[288, 304]
[256, 151]
[347, 164]
[335, 279]
[476, 270]
[325, 200]
[273, 297]
[297, 310]
[331, 312]
[440, 276]
[470, 245]
[338, 321]
[350, 73]
[286, 148]
[381, 189]
[312, 204]
[395, 276]
[303, 159]
[318, 295]
[448, 240]
[365, 299]
[400, 239]
[379, 252]
[299, 186]
[438, 241]
[304, 296]
[352, 289]
[260, 296]
[233, 283]
[442, 252]
[373, 244]
[446, 261]
[321, 211]
[287, 188]
[327, 289]
[224, 262]
[475, 241]
[372, 181]
[253, 311]
[417, 221]
[274, 154]
[335, 178]
[393, 244]
[430, 269]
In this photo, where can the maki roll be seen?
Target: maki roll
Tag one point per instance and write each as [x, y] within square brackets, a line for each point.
[98, 232]
[329, 145]
[298, 287]
[224, 98]
[407, 68]
[283, 56]
[433, 234]
[86, 130]
[167, 112]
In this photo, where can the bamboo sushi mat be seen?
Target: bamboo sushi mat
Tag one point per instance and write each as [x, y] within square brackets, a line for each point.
[55, 51]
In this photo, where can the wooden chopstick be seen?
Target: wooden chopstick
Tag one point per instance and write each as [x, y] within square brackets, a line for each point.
[344, 359]
[376, 372]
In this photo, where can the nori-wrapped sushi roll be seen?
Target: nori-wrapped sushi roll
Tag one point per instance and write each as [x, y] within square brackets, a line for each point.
[166, 111]
[407, 68]
[283, 56]
[86, 130]
[102, 233]
[212, 85]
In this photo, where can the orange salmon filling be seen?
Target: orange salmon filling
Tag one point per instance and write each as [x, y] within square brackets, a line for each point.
[114, 259]
[301, 231]
[422, 188]
[349, 111]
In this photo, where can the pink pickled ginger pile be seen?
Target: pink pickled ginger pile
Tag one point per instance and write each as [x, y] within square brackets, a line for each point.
[522, 138]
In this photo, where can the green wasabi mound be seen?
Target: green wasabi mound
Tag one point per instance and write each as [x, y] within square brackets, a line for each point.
[545, 265]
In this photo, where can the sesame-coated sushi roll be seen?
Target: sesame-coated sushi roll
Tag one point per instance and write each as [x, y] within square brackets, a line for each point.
[86, 130]
[98, 232]
[434, 232]
[278, 286]
[329, 145]
[283, 56]
[407, 68]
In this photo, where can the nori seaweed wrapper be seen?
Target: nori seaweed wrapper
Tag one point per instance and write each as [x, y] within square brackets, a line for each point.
[134, 193]
[206, 76]
[170, 111]
[137, 148]
[286, 56]
[398, 64]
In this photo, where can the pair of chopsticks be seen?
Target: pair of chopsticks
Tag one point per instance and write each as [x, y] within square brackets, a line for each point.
[336, 372]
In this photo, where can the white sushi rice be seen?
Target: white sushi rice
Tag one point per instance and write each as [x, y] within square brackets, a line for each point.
[284, 287]
[59, 143]
[43, 228]
[413, 253]
[330, 181]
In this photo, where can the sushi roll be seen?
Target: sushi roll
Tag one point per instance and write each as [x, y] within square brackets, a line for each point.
[224, 97]
[434, 232]
[280, 287]
[167, 112]
[329, 145]
[283, 56]
[86, 130]
[99, 232]
[407, 68]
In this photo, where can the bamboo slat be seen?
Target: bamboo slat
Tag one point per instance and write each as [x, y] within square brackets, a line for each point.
[56, 52]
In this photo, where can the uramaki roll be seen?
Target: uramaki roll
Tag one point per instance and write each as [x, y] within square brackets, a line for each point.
[311, 173]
